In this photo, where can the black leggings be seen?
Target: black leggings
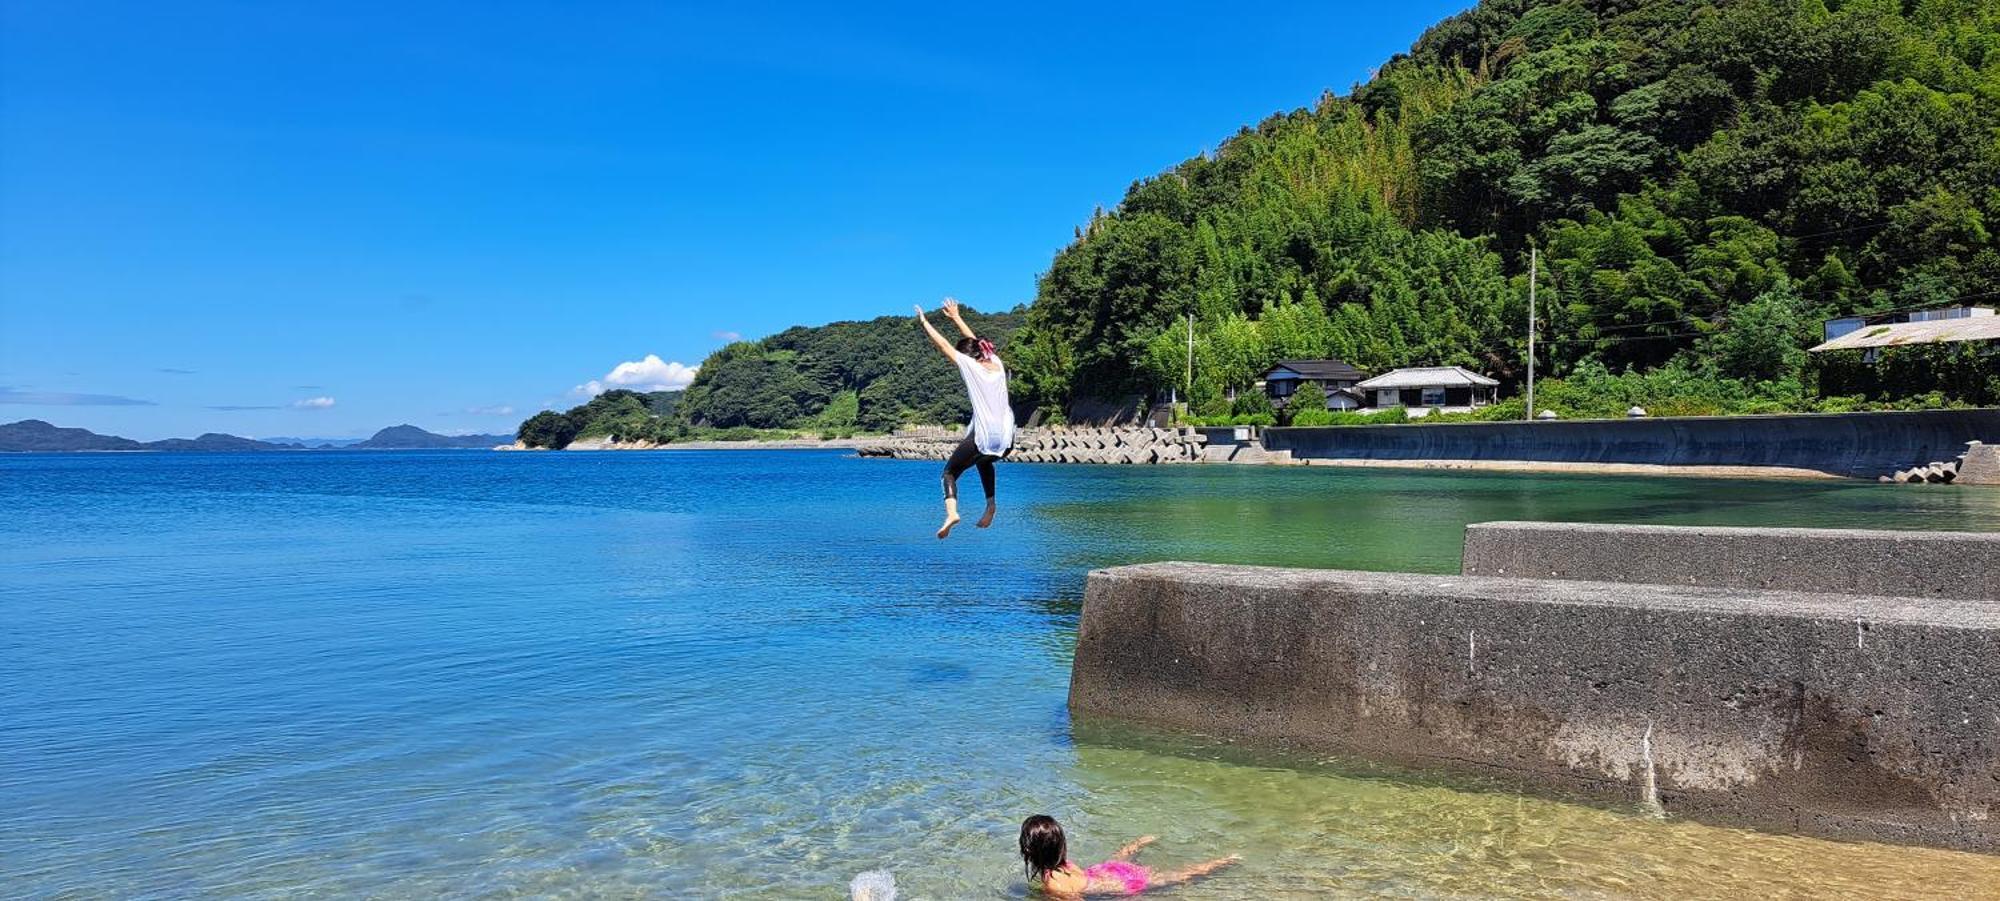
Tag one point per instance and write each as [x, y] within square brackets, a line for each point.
[964, 455]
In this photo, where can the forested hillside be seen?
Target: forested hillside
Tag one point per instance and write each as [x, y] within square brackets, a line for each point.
[872, 375]
[832, 380]
[1704, 180]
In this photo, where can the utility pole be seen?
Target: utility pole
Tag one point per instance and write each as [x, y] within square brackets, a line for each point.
[1534, 258]
[1190, 356]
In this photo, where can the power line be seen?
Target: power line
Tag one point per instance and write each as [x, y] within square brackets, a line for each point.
[1628, 338]
[1534, 259]
[1610, 325]
[1724, 320]
[1809, 235]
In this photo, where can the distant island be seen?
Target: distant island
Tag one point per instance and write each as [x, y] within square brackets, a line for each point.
[314, 443]
[34, 435]
[409, 437]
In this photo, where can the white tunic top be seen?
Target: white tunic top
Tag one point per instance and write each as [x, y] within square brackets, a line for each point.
[992, 427]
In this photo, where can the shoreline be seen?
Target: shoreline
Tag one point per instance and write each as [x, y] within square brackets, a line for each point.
[1547, 466]
[785, 444]
[1521, 466]
[793, 444]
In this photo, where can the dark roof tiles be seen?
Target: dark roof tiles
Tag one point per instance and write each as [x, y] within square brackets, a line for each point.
[1320, 370]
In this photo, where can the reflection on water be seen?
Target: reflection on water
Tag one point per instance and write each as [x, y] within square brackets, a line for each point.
[1312, 826]
[745, 674]
[1414, 521]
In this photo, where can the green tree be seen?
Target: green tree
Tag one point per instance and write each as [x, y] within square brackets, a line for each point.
[1309, 397]
[547, 429]
[1765, 339]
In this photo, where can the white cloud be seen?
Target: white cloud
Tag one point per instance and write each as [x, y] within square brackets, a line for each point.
[496, 410]
[313, 403]
[728, 336]
[649, 374]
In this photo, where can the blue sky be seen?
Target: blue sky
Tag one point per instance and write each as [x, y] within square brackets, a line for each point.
[323, 218]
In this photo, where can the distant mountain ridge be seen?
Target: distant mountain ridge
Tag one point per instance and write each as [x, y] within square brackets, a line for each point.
[34, 435]
[216, 441]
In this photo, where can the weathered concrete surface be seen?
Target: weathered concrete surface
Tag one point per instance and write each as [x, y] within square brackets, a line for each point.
[1981, 465]
[1833, 715]
[1848, 444]
[1618, 469]
[1847, 561]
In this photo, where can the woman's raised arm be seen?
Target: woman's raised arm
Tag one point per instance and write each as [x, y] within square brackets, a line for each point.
[943, 346]
[957, 319]
[1132, 847]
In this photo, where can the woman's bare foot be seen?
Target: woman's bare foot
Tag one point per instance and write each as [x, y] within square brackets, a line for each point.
[1187, 874]
[986, 520]
[944, 531]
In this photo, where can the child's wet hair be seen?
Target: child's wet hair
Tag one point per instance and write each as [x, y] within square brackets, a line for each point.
[1043, 848]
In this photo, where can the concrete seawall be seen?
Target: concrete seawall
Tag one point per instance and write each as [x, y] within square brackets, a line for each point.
[1847, 444]
[1835, 715]
[1845, 561]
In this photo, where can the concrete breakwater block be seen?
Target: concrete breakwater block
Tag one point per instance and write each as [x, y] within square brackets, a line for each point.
[1847, 561]
[1835, 715]
[1061, 445]
[1980, 465]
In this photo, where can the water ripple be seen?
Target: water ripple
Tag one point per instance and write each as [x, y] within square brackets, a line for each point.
[742, 675]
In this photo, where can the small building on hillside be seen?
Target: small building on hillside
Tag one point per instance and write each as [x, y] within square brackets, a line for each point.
[1453, 389]
[1890, 356]
[1946, 325]
[1334, 377]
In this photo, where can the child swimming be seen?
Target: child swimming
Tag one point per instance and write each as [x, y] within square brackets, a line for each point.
[1045, 852]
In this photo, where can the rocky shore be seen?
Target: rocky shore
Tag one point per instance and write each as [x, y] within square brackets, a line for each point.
[1058, 445]
[1979, 465]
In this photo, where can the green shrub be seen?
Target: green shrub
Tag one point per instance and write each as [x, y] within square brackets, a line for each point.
[1312, 416]
[840, 413]
[1307, 401]
[1252, 403]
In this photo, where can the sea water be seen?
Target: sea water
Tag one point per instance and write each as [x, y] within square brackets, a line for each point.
[749, 674]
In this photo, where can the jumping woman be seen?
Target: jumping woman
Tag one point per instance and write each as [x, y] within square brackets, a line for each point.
[991, 433]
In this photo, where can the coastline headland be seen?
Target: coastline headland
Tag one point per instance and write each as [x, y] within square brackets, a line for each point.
[1842, 707]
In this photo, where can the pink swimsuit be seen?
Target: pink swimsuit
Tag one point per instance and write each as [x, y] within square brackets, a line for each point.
[1125, 872]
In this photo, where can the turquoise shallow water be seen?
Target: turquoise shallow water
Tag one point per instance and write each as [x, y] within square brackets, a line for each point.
[745, 673]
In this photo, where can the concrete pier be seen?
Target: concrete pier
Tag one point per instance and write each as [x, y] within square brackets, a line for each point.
[1835, 715]
[1846, 561]
[1864, 445]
